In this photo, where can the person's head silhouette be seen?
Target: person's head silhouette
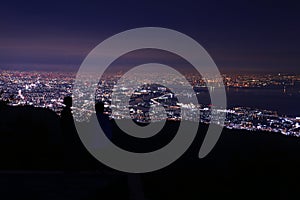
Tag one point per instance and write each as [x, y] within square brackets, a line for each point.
[68, 101]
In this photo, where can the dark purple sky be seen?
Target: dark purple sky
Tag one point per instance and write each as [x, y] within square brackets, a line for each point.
[241, 36]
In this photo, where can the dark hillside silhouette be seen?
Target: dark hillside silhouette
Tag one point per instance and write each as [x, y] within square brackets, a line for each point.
[30, 138]
[243, 164]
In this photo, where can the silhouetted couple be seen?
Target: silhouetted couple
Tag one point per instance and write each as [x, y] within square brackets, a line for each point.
[74, 152]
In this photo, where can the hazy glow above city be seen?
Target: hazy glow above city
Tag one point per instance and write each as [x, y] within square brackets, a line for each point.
[240, 37]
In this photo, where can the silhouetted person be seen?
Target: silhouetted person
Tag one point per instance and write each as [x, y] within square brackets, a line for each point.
[76, 157]
[133, 180]
[70, 137]
[103, 119]
[66, 113]
[67, 121]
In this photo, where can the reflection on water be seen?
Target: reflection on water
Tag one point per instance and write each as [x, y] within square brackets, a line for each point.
[285, 100]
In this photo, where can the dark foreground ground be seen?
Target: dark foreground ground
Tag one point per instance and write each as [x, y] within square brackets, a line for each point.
[243, 165]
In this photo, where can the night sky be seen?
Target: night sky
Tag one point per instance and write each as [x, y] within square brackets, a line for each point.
[241, 36]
